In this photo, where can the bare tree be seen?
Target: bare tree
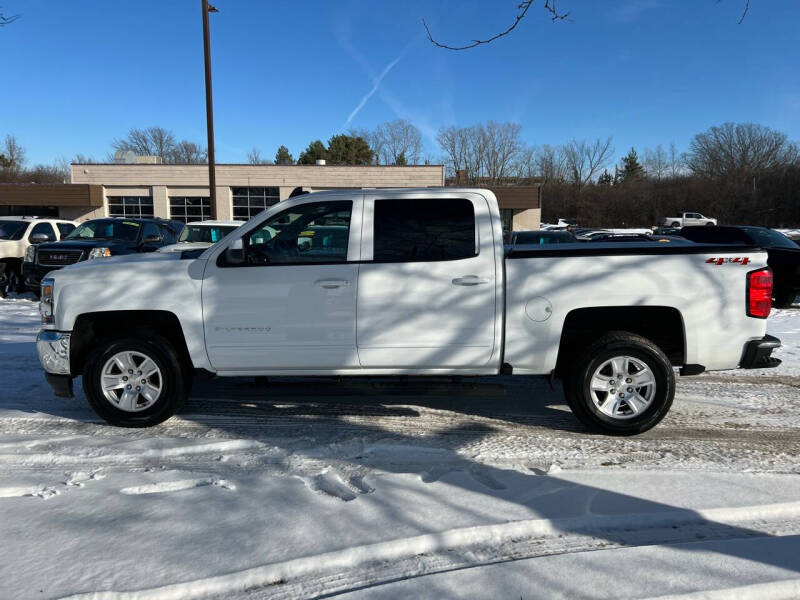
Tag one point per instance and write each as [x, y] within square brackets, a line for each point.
[395, 140]
[13, 154]
[188, 153]
[551, 164]
[502, 148]
[743, 149]
[488, 153]
[675, 160]
[584, 160]
[254, 157]
[153, 141]
[656, 162]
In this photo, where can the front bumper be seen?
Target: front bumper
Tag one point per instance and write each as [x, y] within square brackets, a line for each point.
[757, 353]
[53, 350]
[32, 275]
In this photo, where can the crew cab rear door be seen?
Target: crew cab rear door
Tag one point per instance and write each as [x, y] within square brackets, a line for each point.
[427, 282]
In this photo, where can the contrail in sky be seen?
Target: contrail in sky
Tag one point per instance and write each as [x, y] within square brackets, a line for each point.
[375, 85]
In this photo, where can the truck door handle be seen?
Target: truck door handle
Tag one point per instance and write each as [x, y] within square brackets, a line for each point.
[331, 284]
[469, 280]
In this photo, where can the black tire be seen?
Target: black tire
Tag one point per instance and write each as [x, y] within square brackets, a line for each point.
[12, 280]
[783, 298]
[676, 224]
[174, 383]
[578, 378]
[709, 224]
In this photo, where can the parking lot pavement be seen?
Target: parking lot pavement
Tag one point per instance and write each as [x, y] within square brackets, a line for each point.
[298, 488]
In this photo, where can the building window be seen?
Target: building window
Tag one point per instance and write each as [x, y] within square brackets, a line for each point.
[130, 206]
[189, 208]
[249, 201]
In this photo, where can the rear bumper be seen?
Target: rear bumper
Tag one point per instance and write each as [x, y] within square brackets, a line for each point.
[757, 353]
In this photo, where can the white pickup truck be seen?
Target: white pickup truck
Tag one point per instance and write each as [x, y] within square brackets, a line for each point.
[405, 282]
[687, 219]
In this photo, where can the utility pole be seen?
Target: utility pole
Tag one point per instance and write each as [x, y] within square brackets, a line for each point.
[212, 178]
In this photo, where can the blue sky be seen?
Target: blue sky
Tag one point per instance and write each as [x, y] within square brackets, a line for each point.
[78, 74]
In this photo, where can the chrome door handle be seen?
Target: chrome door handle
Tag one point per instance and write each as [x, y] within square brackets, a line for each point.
[331, 284]
[469, 280]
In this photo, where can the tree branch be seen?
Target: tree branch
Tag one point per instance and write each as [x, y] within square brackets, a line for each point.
[744, 12]
[5, 20]
[549, 6]
[746, 8]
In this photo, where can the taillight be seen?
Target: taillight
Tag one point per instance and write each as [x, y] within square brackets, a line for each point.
[759, 293]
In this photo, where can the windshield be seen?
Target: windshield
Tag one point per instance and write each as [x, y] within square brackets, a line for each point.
[12, 230]
[205, 233]
[769, 238]
[106, 229]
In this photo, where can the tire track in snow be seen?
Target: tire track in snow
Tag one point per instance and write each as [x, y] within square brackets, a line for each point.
[461, 539]
[176, 486]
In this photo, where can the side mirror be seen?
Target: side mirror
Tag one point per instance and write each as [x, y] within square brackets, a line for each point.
[234, 254]
[39, 238]
[150, 240]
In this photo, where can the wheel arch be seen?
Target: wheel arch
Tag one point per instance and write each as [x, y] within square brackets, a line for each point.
[663, 325]
[89, 328]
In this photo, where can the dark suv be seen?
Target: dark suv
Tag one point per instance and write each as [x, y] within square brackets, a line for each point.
[97, 239]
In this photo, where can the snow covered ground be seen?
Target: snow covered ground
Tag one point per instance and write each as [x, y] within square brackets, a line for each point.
[376, 489]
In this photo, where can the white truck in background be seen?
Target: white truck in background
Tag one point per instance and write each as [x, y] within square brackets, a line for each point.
[687, 219]
[405, 282]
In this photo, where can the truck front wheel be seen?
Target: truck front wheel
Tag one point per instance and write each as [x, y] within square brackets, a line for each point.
[135, 382]
[622, 384]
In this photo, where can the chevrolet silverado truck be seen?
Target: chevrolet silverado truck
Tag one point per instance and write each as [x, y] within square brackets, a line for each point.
[405, 282]
[686, 220]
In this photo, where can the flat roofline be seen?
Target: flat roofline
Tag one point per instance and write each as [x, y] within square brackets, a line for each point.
[205, 165]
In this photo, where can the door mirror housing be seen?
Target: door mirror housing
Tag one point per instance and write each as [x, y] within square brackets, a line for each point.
[39, 238]
[150, 240]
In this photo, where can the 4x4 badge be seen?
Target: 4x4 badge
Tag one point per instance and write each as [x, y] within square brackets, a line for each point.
[738, 260]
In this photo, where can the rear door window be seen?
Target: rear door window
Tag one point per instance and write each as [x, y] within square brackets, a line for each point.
[65, 228]
[419, 230]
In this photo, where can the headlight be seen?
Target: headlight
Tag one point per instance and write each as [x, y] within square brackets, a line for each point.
[46, 302]
[99, 253]
[30, 254]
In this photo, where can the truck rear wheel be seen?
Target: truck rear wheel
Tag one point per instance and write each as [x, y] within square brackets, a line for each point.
[676, 224]
[623, 384]
[135, 382]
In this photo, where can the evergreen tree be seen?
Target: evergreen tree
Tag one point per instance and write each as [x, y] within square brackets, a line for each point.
[283, 156]
[349, 150]
[631, 169]
[605, 178]
[316, 150]
[401, 160]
